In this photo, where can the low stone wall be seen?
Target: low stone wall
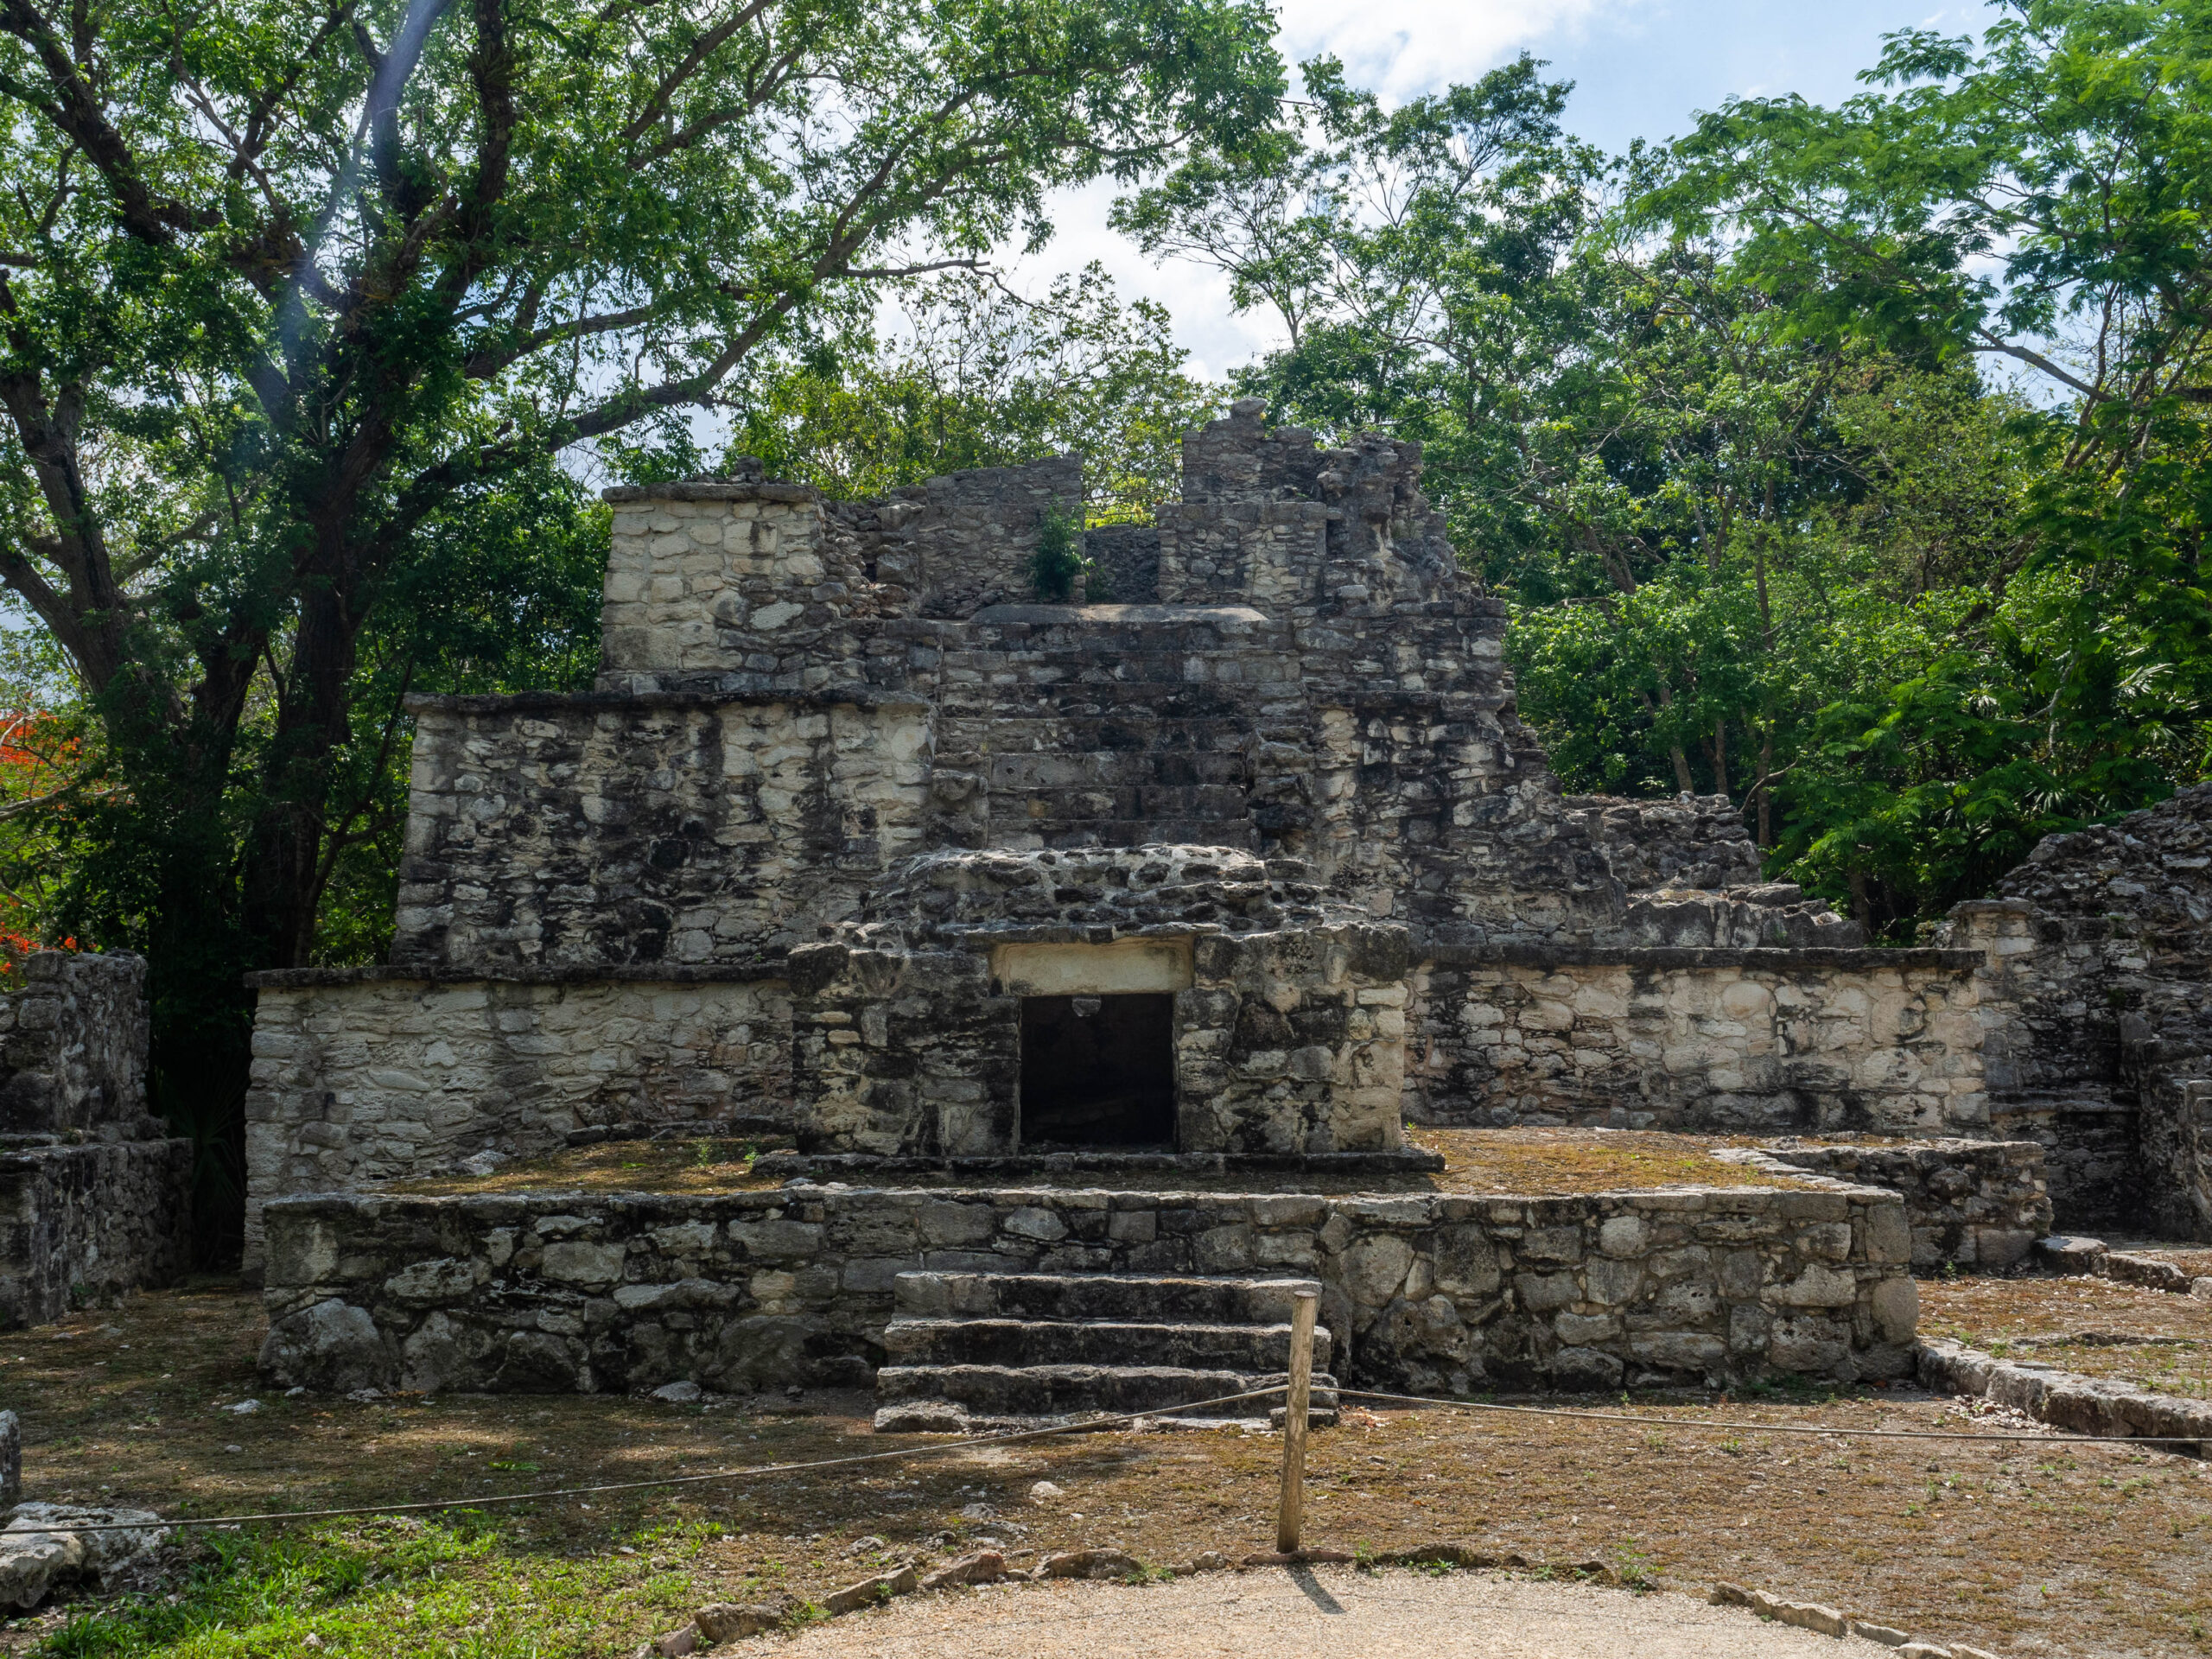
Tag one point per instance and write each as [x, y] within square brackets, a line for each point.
[85, 1223]
[374, 1075]
[573, 1291]
[1977, 1203]
[1765, 1041]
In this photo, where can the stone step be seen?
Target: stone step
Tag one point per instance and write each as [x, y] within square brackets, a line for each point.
[1068, 835]
[1065, 1390]
[1138, 1299]
[1020, 1343]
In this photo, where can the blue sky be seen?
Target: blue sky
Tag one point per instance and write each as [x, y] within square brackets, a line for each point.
[1641, 69]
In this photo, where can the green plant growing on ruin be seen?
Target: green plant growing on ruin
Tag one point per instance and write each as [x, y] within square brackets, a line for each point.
[1058, 560]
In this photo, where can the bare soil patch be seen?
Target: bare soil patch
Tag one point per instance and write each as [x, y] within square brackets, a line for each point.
[2150, 1337]
[2038, 1549]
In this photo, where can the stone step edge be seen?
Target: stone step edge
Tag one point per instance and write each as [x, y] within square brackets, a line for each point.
[1137, 1331]
[931, 1322]
[720, 1621]
[2072, 1253]
[2067, 1399]
[1246, 1382]
[1215, 1379]
[951, 1417]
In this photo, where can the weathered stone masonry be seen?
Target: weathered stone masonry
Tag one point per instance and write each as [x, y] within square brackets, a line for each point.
[802, 704]
[94, 1192]
[552, 1291]
[849, 814]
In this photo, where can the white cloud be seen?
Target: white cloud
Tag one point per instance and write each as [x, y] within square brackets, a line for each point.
[1419, 45]
[1401, 51]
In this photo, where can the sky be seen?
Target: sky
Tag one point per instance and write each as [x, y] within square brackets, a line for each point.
[1641, 68]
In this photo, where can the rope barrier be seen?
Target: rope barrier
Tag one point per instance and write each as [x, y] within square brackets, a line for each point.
[1086, 1425]
[2068, 1438]
[1091, 1425]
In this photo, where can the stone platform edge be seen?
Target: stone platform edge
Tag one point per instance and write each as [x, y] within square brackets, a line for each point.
[1775, 959]
[2066, 1400]
[594, 1292]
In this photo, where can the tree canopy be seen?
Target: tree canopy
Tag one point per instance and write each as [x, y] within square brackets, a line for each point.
[307, 311]
[1848, 461]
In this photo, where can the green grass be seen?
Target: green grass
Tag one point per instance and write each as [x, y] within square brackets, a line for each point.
[463, 1589]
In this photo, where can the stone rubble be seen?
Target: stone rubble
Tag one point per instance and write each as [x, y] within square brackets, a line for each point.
[42, 1550]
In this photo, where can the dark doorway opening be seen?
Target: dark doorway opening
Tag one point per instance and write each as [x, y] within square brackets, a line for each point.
[1098, 1071]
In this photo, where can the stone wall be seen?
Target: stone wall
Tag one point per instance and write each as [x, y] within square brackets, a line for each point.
[2100, 1044]
[374, 1074]
[1124, 564]
[599, 828]
[1689, 841]
[72, 1044]
[1306, 1038]
[1294, 1041]
[1970, 1203]
[95, 1197]
[83, 1224]
[559, 1292]
[2165, 1041]
[1764, 1041]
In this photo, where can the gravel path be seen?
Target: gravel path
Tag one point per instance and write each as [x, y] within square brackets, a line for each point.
[1269, 1612]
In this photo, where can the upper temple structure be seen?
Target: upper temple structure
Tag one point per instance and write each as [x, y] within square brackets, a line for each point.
[1242, 857]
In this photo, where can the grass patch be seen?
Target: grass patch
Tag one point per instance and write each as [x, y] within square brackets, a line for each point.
[2034, 1550]
[1533, 1162]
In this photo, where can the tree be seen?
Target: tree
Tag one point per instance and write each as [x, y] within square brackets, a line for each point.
[2040, 198]
[295, 301]
[1729, 526]
[973, 374]
[1419, 261]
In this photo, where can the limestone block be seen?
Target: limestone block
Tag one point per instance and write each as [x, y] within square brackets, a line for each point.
[1817, 1287]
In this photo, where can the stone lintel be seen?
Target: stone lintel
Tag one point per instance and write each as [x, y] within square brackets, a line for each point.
[1125, 966]
[711, 490]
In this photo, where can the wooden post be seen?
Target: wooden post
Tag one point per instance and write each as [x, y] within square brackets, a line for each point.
[1292, 1514]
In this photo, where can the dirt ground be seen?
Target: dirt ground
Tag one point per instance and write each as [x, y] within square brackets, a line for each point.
[2150, 1337]
[2036, 1549]
[1529, 1161]
[1388, 1615]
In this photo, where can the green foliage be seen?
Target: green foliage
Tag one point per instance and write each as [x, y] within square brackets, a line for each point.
[1713, 420]
[1059, 559]
[263, 1593]
[309, 315]
[973, 375]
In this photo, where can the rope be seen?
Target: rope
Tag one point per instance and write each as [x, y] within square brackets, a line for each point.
[1776, 1428]
[1086, 1425]
[1092, 1423]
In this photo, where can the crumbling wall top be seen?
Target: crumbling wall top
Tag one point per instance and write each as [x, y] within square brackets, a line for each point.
[1690, 840]
[2149, 872]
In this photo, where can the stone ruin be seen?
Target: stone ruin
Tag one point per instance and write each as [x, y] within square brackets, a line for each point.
[1240, 862]
[95, 1192]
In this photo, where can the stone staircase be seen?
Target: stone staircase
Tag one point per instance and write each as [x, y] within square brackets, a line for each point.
[991, 1350]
